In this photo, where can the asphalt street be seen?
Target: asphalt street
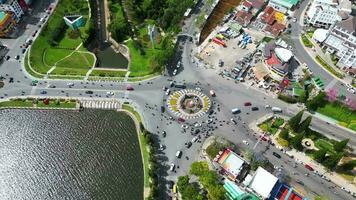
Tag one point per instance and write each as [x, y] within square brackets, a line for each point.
[148, 96]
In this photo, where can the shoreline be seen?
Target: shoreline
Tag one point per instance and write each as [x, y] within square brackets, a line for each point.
[145, 163]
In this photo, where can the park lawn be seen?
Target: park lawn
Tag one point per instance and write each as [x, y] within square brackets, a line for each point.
[323, 144]
[338, 112]
[53, 55]
[27, 68]
[16, 103]
[43, 56]
[140, 64]
[306, 41]
[77, 61]
[108, 73]
[69, 71]
[52, 104]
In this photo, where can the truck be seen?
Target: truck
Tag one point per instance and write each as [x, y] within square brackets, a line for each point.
[276, 109]
[235, 110]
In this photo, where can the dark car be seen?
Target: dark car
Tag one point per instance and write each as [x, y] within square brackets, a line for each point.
[43, 92]
[254, 108]
[163, 109]
[7, 57]
[23, 51]
[247, 104]
[17, 57]
[89, 92]
[11, 80]
[276, 155]
[188, 144]
[164, 133]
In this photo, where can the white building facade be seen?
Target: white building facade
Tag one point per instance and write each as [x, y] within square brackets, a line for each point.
[324, 13]
[342, 42]
[12, 6]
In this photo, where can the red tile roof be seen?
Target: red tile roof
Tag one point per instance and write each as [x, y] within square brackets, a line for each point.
[243, 17]
[257, 3]
[275, 29]
[247, 4]
[268, 15]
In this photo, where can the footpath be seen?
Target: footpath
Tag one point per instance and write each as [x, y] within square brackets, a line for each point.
[304, 159]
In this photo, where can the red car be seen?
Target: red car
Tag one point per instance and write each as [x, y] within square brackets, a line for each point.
[181, 120]
[247, 104]
[308, 167]
[129, 88]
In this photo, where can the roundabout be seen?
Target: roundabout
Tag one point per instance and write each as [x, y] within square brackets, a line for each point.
[188, 103]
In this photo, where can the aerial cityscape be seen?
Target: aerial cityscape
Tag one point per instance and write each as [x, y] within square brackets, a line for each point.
[178, 99]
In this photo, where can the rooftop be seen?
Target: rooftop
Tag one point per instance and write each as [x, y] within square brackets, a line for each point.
[231, 162]
[286, 3]
[349, 25]
[263, 182]
[2, 15]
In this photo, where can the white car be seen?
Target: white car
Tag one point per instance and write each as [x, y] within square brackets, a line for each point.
[175, 72]
[349, 86]
[194, 139]
[184, 126]
[294, 19]
[351, 90]
[198, 89]
[245, 142]
[110, 93]
[172, 166]
[70, 84]
[197, 125]
[168, 91]
[209, 121]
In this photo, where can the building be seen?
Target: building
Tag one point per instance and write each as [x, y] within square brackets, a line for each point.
[342, 42]
[231, 165]
[243, 18]
[277, 59]
[233, 192]
[7, 23]
[262, 183]
[283, 6]
[324, 13]
[12, 6]
[74, 21]
[273, 20]
[284, 192]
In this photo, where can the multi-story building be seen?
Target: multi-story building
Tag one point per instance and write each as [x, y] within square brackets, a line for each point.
[12, 6]
[7, 23]
[324, 13]
[342, 42]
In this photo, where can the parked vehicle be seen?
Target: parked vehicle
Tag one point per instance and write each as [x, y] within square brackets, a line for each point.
[89, 92]
[233, 121]
[129, 88]
[168, 91]
[164, 133]
[235, 111]
[276, 155]
[175, 72]
[308, 167]
[163, 109]
[178, 154]
[276, 109]
[247, 104]
[212, 93]
[172, 166]
[254, 108]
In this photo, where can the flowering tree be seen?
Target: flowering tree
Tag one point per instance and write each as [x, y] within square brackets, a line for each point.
[350, 104]
[331, 95]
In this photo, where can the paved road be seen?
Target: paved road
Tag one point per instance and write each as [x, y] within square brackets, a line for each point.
[304, 57]
[148, 96]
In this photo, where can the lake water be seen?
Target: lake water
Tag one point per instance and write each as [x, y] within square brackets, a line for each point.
[93, 154]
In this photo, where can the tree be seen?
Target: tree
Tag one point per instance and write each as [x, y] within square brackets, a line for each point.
[332, 161]
[284, 134]
[305, 124]
[319, 155]
[318, 101]
[296, 141]
[295, 120]
[340, 146]
[216, 192]
[347, 166]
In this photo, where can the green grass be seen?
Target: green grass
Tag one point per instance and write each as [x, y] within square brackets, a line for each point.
[306, 41]
[140, 65]
[267, 39]
[43, 56]
[323, 144]
[27, 68]
[108, 73]
[16, 103]
[77, 60]
[339, 113]
[53, 55]
[328, 67]
[270, 128]
[69, 71]
[52, 104]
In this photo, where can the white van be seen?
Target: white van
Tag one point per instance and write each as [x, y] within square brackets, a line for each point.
[276, 109]
[178, 154]
[235, 111]
[172, 166]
